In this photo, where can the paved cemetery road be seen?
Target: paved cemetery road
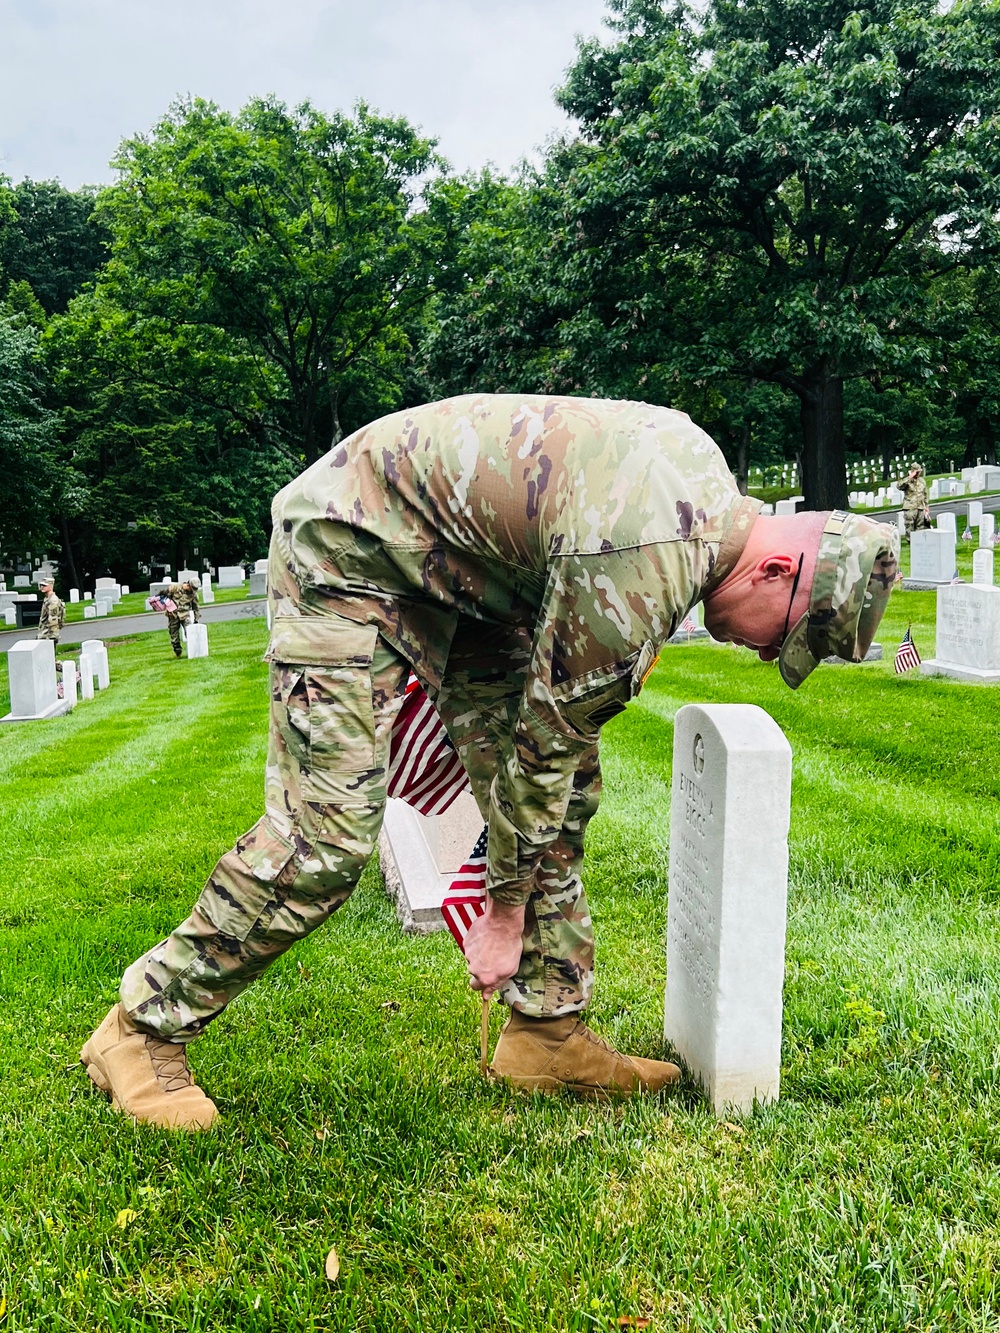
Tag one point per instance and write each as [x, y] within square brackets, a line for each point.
[119, 627]
[958, 504]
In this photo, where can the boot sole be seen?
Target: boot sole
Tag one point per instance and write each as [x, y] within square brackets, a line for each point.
[588, 1091]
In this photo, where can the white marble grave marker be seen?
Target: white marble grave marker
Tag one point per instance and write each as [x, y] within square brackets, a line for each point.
[89, 613]
[729, 820]
[932, 555]
[982, 568]
[86, 676]
[74, 594]
[968, 634]
[975, 513]
[231, 576]
[31, 670]
[946, 523]
[97, 651]
[197, 640]
[207, 595]
[986, 524]
[69, 682]
[420, 855]
[258, 585]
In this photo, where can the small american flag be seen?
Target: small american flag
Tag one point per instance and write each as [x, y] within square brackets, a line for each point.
[424, 767]
[466, 898]
[956, 577]
[907, 656]
[688, 626]
[967, 535]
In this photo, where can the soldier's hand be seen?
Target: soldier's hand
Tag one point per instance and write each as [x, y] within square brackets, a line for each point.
[493, 945]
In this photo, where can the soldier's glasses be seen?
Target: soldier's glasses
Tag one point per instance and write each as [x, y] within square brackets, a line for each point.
[791, 600]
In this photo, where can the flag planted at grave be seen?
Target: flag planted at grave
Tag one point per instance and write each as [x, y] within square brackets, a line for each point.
[424, 768]
[466, 898]
[907, 656]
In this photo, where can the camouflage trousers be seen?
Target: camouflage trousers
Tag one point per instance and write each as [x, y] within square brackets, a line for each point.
[915, 519]
[174, 623]
[328, 754]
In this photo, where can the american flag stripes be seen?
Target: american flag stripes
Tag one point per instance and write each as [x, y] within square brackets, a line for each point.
[907, 656]
[956, 577]
[688, 626]
[466, 899]
[424, 768]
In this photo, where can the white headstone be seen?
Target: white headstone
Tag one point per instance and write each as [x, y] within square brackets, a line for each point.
[258, 585]
[89, 612]
[730, 801]
[946, 522]
[188, 575]
[86, 677]
[901, 523]
[975, 513]
[74, 594]
[97, 651]
[101, 607]
[260, 567]
[982, 567]
[968, 634]
[421, 854]
[21, 581]
[231, 576]
[197, 640]
[69, 682]
[31, 670]
[104, 583]
[986, 526]
[9, 615]
[932, 555]
[87, 596]
[124, 589]
[784, 507]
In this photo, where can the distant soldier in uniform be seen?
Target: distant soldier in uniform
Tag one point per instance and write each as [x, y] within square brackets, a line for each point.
[185, 599]
[52, 615]
[526, 557]
[916, 510]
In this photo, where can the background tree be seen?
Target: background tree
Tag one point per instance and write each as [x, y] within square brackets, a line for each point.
[776, 187]
[291, 241]
[50, 240]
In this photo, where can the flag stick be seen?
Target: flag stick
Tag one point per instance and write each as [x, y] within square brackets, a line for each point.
[484, 1033]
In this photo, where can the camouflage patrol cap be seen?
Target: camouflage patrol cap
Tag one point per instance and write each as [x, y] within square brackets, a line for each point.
[46, 581]
[855, 572]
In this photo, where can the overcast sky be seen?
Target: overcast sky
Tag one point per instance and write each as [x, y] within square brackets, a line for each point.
[78, 76]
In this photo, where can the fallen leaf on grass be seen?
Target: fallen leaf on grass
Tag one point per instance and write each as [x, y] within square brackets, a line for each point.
[632, 1321]
[736, 1129]
[332, 1266]
[126, 1216]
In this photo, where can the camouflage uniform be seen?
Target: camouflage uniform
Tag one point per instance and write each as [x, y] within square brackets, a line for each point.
[51, 618]
[526, 557]
[915, 503]
[186, 601]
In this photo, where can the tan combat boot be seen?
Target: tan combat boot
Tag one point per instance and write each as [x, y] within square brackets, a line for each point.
[145, 1076]
[546, 1054]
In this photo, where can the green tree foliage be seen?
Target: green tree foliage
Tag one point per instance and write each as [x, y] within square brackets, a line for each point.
[289, 241]
[50, 240]
[774, 189]
[27, 430]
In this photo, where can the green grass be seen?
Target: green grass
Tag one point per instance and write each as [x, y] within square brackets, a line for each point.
[354, 1116]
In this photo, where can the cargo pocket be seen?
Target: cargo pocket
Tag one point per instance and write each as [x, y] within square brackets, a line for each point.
[587, 702]
[246, 884]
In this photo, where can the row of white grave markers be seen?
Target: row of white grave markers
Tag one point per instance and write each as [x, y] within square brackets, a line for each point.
[31, 670]
[967, 628]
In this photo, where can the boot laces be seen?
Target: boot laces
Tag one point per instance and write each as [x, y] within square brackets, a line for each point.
[169, 1059]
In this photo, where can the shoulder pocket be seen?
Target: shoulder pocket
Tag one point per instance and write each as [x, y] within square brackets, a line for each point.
[587, 702]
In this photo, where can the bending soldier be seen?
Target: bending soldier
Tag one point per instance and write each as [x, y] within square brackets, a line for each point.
[187, 611]
[526, 557]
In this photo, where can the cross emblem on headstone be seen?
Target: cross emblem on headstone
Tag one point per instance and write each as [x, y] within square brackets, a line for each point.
[699, 755]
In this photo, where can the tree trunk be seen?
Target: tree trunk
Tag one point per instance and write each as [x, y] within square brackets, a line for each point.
[67, 546]
[821, 407]
[743, 458]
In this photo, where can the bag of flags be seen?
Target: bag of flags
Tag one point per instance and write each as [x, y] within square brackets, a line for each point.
[907, 656]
